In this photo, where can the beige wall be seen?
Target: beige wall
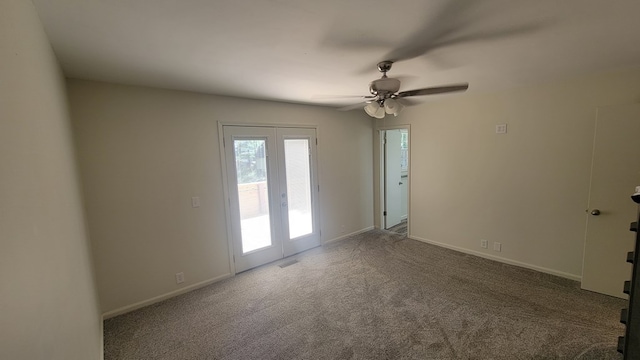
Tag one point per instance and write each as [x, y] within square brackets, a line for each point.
[527, 189]
[48, 303]
[145, 152]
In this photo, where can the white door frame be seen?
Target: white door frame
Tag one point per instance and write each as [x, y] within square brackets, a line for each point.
[380, 192]
[393, 175]
[225, 183]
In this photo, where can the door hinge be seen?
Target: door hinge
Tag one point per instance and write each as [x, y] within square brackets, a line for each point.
[316, 141]
[234, 258]
[318, 188]
[224, 143]
[384, 213]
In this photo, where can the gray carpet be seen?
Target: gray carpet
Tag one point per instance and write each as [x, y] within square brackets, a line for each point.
[377, 295]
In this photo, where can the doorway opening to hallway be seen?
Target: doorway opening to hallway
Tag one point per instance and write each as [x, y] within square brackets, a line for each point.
[394, 179]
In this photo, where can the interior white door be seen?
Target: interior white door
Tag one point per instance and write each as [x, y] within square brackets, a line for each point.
[392, 179]
[273, 192]
[615, 173]
[298, 189]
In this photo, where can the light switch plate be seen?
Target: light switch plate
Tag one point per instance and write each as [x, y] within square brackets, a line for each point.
[195, 202]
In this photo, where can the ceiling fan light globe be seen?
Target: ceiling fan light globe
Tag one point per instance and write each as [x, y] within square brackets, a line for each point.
[390, 106]
[379, 112]
[371, 109]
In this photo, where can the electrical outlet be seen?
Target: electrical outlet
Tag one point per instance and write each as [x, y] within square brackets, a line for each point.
[497, 246]
[501, 129]
[484, 244]
[179, 278]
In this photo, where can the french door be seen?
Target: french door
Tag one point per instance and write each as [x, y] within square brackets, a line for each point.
[272, 183]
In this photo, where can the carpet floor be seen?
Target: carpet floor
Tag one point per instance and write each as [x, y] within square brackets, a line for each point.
[377, 295]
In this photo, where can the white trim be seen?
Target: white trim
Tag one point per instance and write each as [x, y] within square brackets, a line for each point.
[155, 299]
[381, 198]
[270, 125]
[319, 187]
[227, 198]
[586, 217]
[500, 259]
[350, 234]
[102, 337]
[394, 127]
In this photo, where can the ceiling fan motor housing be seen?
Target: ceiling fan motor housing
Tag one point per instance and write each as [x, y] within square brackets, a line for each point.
[384, 87]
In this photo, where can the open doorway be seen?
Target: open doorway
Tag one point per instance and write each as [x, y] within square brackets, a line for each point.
[394, 179]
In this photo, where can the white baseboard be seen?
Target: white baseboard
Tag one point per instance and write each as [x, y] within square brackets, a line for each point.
[500, 259]
[102, 338]
[155, 299]
[350, 234]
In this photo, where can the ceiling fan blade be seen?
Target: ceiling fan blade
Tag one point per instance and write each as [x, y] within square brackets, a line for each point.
[354, 106]
[452, 23]
[421, 47]
[434, 90]
[407, 102]
[436, 25]
[328, 97]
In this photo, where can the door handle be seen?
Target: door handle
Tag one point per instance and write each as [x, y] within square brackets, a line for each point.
[284, 204]
[595, 212]
[400, 183]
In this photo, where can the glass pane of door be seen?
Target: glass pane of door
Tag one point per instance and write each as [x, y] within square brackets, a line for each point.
[253, 194]
[298, 178]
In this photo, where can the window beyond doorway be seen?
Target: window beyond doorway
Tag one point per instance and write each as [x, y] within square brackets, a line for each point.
[404, 150]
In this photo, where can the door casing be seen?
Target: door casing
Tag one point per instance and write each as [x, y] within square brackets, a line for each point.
[392, 178]
[378, 131]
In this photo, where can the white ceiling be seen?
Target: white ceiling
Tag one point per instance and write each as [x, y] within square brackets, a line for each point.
[302, 50]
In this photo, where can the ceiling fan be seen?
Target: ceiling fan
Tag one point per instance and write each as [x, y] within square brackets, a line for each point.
[385, 98]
